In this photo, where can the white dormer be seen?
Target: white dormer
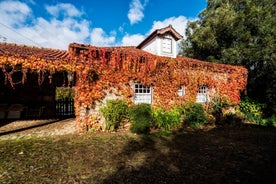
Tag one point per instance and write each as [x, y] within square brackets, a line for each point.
[161, 42]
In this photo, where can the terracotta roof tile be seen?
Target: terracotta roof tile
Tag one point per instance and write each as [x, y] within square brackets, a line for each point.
[24, 51]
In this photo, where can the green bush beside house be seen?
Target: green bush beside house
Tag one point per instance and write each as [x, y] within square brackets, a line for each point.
[144, 118]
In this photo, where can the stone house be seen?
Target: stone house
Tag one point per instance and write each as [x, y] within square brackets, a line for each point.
[149, 73]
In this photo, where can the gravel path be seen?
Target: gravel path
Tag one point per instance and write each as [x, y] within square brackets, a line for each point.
[38, 128]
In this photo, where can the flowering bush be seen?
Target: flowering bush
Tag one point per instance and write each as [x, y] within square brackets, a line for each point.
[251, 110]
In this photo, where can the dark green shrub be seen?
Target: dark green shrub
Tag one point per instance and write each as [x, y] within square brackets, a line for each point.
[114, 112]
[141, 118]
[168, 119]
[252, 111]
[195, 114]
[232, 119]
[272, 120]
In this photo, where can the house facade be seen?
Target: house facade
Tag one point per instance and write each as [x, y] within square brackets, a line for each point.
[149, 73]
[161, 42]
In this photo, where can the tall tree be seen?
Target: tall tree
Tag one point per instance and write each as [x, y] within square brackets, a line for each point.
[240, 32]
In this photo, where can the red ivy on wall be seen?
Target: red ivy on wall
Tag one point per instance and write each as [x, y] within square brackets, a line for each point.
[98, 69]
[116, 67]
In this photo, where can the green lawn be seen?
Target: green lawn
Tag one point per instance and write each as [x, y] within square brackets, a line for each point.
[221, 155]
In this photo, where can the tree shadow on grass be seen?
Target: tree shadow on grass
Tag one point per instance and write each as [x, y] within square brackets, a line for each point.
[15, 130]
[5, 122]
[221, 155]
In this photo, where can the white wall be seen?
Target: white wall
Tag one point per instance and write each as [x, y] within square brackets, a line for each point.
[151, 46]
[155, 46]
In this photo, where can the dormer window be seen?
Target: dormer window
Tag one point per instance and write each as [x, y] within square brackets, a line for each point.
[167, 45]
[162, 42]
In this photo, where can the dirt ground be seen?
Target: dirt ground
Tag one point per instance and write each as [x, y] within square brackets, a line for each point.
[39, 128]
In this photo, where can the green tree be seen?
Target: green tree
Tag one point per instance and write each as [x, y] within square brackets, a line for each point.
[240, 32]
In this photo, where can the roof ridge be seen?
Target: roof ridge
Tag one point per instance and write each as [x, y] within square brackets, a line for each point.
[161, 31]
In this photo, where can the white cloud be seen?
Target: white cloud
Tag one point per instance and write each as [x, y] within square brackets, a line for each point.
[58, 34]
[66, 9]
[52, 34]
[99, 38]
[179, 24]
[13, 13]
[18, 25]
[66, 25]
[132, 40]
[135, 13]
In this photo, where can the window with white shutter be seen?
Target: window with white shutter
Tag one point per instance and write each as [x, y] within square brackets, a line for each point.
[167, 45]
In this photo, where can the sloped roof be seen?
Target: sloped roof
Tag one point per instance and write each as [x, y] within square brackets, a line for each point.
[161, 31]
[87, 46]
[24, 51]
[77, 48]
[94, 53]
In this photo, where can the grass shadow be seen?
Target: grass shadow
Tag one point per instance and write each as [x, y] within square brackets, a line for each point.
[5, 122]
[221, 155]
[27, 127]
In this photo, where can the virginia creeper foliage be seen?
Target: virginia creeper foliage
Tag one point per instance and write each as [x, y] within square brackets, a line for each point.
[100, 69]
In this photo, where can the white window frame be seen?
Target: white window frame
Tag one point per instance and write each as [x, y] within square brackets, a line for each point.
[202, 94]
[181, 90]
[143, 94]
[167, 44]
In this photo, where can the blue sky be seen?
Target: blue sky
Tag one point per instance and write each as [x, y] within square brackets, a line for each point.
[56, 23]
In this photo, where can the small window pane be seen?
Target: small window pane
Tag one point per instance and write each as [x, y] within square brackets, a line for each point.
[181, 90]
[142, 94]
[202, 95]
[202, 89]
[167, 45]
